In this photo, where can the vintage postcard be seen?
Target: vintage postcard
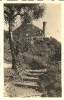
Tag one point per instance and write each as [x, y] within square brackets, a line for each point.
[32, 50]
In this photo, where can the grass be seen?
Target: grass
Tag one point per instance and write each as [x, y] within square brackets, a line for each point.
[39, 57]
[52, 82]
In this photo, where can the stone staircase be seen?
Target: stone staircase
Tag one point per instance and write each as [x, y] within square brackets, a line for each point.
[30, 78]
[29, 81]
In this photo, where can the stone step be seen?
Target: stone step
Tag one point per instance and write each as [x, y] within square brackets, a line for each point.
[26, 84]
[37, 71]
[34, 74]
[26, 78]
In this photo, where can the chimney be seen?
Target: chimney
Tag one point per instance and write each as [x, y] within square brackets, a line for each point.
[44, 28]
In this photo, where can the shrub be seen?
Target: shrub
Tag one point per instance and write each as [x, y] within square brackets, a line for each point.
[51, 81]
[35, 65]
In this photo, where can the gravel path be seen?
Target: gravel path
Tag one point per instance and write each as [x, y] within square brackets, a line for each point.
[12, 91]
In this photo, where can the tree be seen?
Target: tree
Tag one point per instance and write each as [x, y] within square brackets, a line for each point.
[28, 13]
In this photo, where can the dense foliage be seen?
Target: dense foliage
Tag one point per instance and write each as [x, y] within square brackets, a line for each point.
[27, 13]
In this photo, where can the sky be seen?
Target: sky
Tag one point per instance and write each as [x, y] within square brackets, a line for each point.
[53, 18]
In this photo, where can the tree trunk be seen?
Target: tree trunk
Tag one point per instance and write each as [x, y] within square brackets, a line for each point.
[11, 45]
[16, 53]
[17, 58]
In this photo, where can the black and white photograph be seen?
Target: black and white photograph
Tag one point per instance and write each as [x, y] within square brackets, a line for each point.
[32, 50]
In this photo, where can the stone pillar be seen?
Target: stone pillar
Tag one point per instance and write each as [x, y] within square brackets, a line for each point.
[44, 28]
